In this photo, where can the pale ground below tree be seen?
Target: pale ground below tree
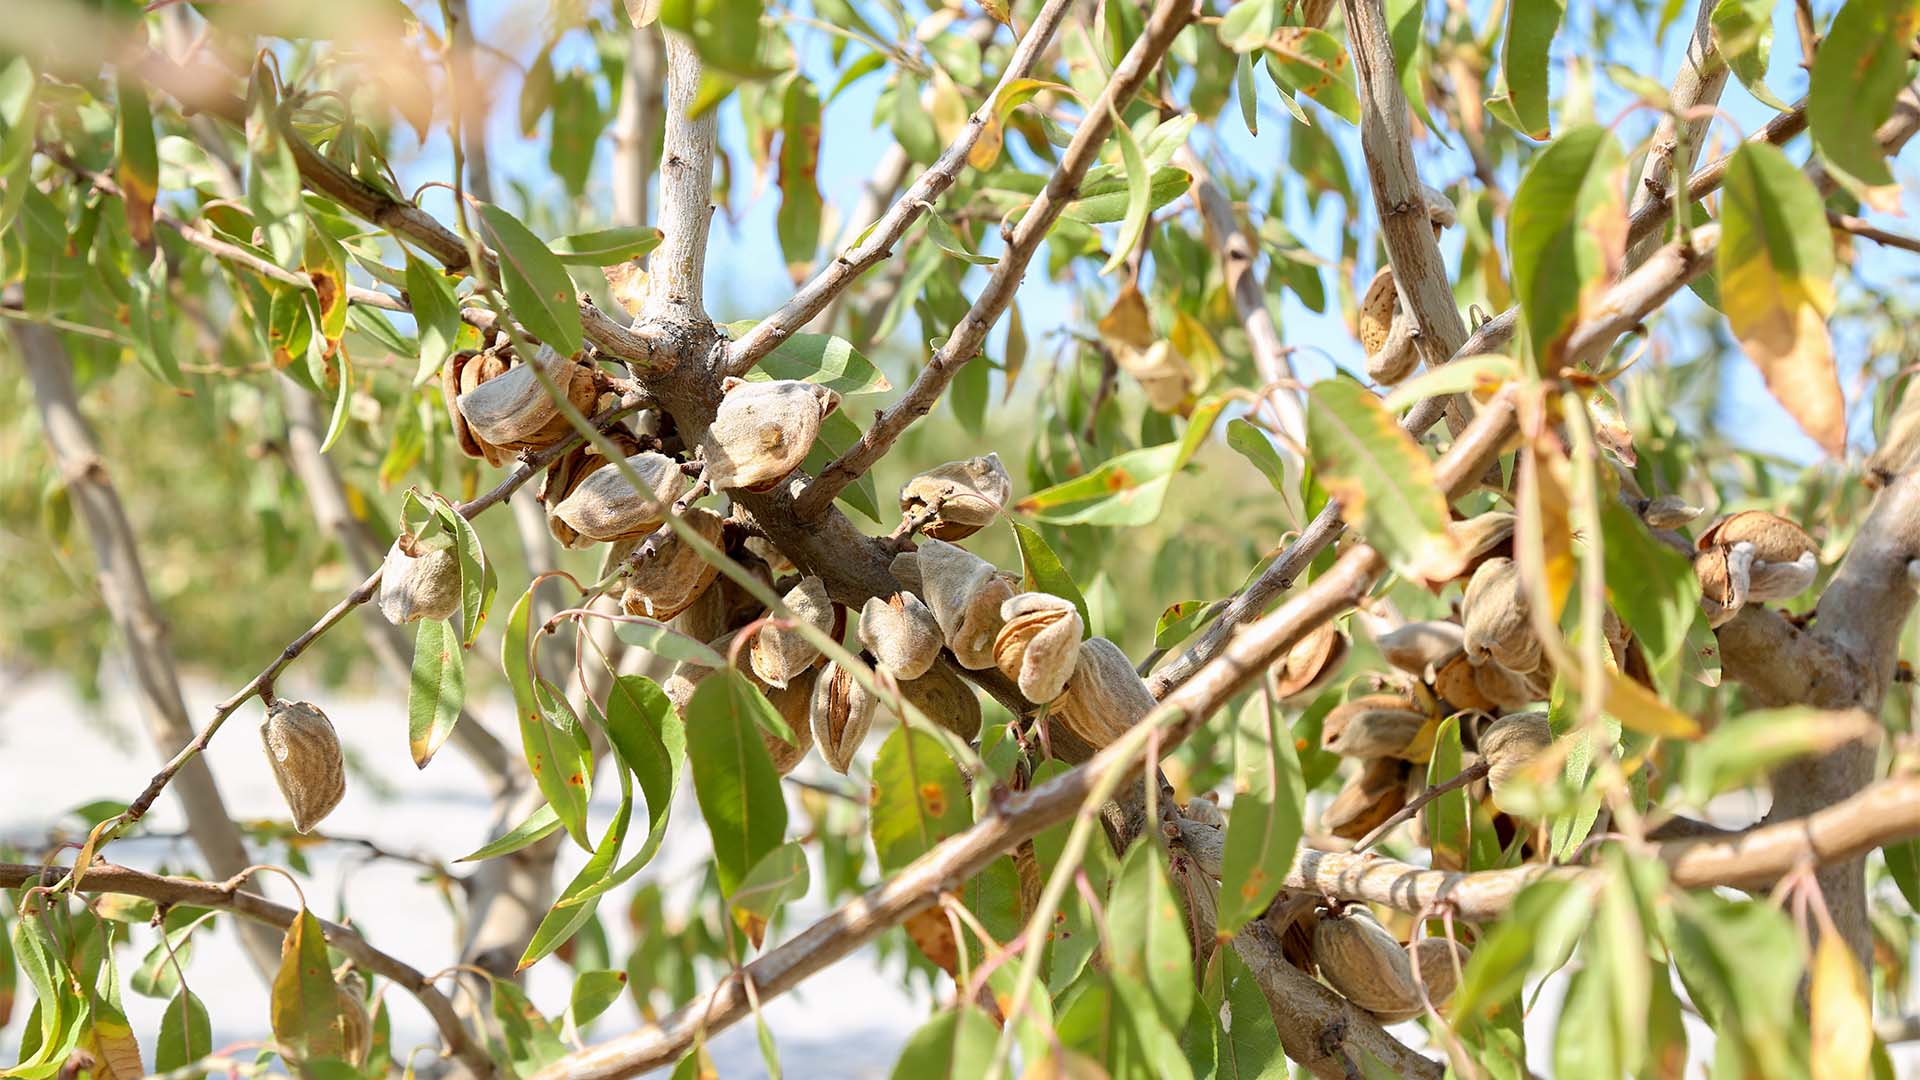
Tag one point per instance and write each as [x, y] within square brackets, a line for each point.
[847, 1023]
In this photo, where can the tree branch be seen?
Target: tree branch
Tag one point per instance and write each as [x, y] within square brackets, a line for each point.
[1676, 142]
[141, 626]
[105, 877]
[676, 283]
[1168, 17]
[846, 267]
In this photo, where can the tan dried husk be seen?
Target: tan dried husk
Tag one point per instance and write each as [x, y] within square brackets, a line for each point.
[1104, 696]
[1373, 795]
[958, 498]
[304, 753]
[1774, 538]
[1495, 614]
[1439, 962]
[667, 580]
[565, 474]
[1899, 448]
[794, 703]
[1365, 963]
[1312, 662]
[965, 594]
[1204, 811]
[1505, 689]
[605, 506]
[511, 411]
[461, 373]
[1417, 645]
[1510, 745]
[1670, 512]
[842, 713]
[762, 431]
[1483, 536]
[1038, 644]
[351, 1020]
[416, 584]
[1377, 308]
[945, 698]
[780, 653]
[1457, 683]
[1397, 357]
[1127, 332]
[905, 568]
[901, 633]
[1373, 726]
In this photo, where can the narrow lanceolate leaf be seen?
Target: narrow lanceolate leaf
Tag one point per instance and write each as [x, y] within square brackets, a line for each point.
[919, 798]
[605, 247]
[1264, 826]
[1139, 196]
[478, 583]
[1859, 68]
[1776, 286]
[1149, 936]
[437, 691]
[651, 743]
[565, 918]
[1448, 818]
[800, 204]
[1520, 95]
[1382, 478]
[1744, 29]
[553, 755]
[1842, 1017]
[1566, 235]
[435, 312]
[1042, 571]
[536, 283]
[823, 359]
[306, 1006]
[734, 780]
[1311, 61]
[137, 162]
[539, 825]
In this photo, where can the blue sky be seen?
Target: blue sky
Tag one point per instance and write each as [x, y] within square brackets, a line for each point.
[746, 275]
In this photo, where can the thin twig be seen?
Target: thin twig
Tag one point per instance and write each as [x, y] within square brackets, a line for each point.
[1459, 780]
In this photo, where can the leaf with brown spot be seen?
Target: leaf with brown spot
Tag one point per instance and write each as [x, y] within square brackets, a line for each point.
[1311, 61]
[1382, 478]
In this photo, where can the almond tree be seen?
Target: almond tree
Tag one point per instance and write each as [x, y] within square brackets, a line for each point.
[1435, 671]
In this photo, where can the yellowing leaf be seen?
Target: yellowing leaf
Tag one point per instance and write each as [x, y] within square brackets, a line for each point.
[1382, 478]
[1640, 709]
[1566, 234]
[1842, 1019]
[116, 1054]
[1776, 286]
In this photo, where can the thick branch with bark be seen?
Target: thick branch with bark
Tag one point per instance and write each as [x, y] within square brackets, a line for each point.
[1676, 142]
[261, 912]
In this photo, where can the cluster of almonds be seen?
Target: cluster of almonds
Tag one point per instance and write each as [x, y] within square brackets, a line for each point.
[1384, 326]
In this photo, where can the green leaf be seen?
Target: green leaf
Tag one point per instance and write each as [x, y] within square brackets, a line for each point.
[1245, 90]
[1251, 443]
[478, 583]
[568, 913]
[1139, 196]
[1520, 93]
[539, 825]
[1148, 934]
[136, 161]
[531, 1041]
[273, 177]
[1652, 586]
[435, 312]
[437, 691]
[779, 877]
[824, 359]
[306, 1005]
[1539, 933]
[733, 778]
[1311, 61]
[605, 247]
[1179, 621]
[1245, 25]
[1745, 748]
[1776, 286]
[556, 755]
[1107, 200]
[1382, 478]
[798, 221]
[1566, 236]
[666, 642]
[1744, 31]
[1903, 864]
[536, 283]
[1448, 820]
[342, 398]
[1411, 57]
[912, 126]
[646, 732]
[1042, 571]
[919, 798]
[1269, 811]
[576, 127]
[186, 1034]
[1859, 68]
[948, 239]
[956, 1043]
[593, 993]
[1125, 490]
